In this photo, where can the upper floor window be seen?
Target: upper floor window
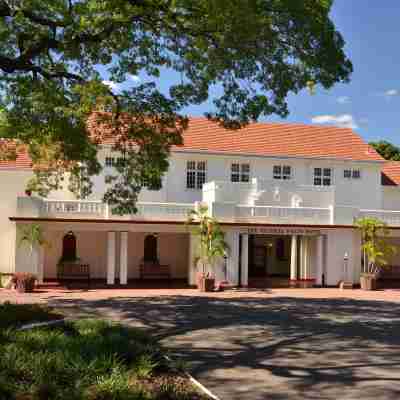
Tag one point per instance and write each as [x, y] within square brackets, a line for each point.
[110, 161]
[322, 176]
[352, 173]
[113, 161]
[240, 172]
[282, 172]
[196, 172]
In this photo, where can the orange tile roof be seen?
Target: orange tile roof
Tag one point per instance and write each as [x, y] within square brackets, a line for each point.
[277, 139]
[262, 139]
[22, 162]
[391, 173]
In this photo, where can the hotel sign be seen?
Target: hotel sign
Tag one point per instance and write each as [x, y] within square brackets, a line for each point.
[279, 231]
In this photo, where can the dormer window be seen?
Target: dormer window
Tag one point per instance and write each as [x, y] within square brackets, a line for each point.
[282, 172]
[352, 174]
[240, 172]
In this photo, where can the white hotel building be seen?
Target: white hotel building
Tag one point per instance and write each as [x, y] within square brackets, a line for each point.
[286, 195]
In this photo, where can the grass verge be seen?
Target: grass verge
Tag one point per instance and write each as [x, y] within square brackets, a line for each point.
[87, 359]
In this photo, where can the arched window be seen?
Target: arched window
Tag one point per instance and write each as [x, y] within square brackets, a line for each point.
[150, 249]
[69, 247]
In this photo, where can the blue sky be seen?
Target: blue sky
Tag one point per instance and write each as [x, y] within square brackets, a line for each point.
[370, 102]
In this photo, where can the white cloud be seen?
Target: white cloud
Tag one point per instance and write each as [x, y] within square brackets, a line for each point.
[134, 78]
[342, 120]
[112, 85]
[343, 99]
[392, 92]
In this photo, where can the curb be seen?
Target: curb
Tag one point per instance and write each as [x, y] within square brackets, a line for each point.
[196, 383]
[42, 324]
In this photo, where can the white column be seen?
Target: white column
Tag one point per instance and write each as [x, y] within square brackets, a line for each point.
[245, 260]
[319, 259]
[110, 258]
[123, 259]
[293, 259]
[192, 270]
[232, 239]
[303, 258]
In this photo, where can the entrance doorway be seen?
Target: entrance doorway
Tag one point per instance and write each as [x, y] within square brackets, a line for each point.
[269, 260]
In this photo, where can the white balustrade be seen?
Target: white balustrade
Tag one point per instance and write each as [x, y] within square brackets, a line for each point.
[274, 214]
[392, 218]
[169, 211]
[73, 207]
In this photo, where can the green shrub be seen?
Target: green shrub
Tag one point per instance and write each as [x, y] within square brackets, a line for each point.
[86, 359]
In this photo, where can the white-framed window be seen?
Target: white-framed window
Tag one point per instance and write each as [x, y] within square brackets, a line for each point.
[113, 161]
[110, 161]
[240, 172]
[196, 172]
[322, 176]
[282, 172]
[352, 174]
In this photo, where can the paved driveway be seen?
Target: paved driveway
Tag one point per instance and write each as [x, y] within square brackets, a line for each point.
[315, 344]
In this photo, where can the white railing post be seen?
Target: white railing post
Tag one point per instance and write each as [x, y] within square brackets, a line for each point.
[331, 215]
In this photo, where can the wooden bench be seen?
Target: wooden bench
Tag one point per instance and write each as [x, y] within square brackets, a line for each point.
[73, 271]
[152, 270]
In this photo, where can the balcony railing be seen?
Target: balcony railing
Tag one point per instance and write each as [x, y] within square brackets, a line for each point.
[291, 215]
[50, 207]
[98, 209]
[392, 218]
[164, 211]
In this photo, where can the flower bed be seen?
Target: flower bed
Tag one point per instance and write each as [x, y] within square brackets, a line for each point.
[88, 359]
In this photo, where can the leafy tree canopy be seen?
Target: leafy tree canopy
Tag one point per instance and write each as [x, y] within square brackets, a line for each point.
[257, 51]
[387, 150]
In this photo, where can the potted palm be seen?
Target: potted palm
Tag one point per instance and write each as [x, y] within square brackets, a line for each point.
[375, 250]
[211, 248]
[32, 236]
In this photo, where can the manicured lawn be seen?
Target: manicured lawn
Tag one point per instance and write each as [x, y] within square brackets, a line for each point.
[15, 315]
[87, 359]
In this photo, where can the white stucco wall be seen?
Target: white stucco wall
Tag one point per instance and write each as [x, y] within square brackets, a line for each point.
[339, 242]
[12, 184]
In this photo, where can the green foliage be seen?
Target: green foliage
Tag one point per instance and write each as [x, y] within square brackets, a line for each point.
[387, 150]
[257, 52]
[212, 245]
[32, 235]
[375, 248]
[86, 359]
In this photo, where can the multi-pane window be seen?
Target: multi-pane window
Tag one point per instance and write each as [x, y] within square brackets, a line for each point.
[196, 174]
[322, 176]
[352, 173]
[113, 161]
[240, 172]
[282, 172]
[110, 161]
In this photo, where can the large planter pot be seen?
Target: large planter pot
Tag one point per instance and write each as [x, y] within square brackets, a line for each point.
[368, 282]
[205, 283]
[24, 282]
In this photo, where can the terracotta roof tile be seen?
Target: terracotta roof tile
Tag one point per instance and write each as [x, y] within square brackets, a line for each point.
[22, 162]
[263, 139]
[276, 139]
[391, 173]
